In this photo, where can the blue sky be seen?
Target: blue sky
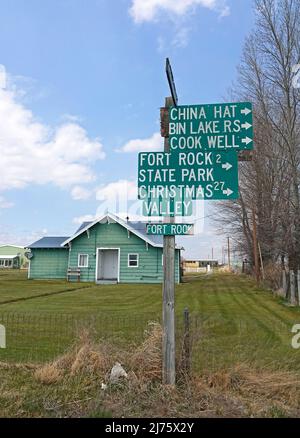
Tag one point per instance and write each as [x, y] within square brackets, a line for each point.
[81, 83]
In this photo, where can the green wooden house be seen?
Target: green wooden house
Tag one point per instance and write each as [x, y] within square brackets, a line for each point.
[106, 250]
[12, 257]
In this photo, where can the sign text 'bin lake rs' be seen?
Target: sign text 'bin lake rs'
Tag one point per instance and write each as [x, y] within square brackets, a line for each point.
[227, 126]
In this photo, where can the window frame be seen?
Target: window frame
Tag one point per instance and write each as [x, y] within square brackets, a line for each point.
[87, 260]
[137, 260]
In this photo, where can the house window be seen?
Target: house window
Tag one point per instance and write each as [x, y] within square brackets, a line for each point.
[83, 260]
[133, 260]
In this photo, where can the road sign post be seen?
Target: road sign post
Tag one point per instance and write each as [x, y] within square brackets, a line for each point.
[168, 317]
[200, 161]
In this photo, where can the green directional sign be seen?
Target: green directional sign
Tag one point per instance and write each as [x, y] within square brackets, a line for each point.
[164, 229]
[208, 175]
[227, 126]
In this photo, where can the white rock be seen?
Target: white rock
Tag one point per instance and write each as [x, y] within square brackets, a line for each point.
[117, 372]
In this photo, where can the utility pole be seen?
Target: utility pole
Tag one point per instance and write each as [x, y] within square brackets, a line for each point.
[255, 246]
[212, 254]
[228, 252]
[168, 317]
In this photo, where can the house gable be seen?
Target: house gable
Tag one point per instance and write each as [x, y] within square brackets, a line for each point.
[115, 236]
[110, 219]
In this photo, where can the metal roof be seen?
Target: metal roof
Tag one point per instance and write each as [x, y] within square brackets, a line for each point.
[141, 228]
[48, 242]
[138, 228]
[83, 225]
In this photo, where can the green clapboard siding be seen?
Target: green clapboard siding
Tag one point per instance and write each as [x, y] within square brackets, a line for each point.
[150, 268]
[48, 263]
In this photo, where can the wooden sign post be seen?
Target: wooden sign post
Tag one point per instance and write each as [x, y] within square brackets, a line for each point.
[168, 316]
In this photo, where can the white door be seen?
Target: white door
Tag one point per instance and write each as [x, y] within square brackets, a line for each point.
[108, 263]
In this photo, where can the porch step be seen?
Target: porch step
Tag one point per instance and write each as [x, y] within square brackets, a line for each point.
[106, 282]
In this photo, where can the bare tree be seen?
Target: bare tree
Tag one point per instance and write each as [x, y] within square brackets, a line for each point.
[270, 182]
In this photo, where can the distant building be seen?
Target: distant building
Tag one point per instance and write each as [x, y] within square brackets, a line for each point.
[198, 265]
[106, 250]
[12, 257]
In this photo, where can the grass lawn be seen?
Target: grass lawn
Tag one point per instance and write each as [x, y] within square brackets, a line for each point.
[233, 319]
[15, 286]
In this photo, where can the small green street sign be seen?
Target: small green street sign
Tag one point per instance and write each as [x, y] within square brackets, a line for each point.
[164, 229]
[206, 175]
[223, 126]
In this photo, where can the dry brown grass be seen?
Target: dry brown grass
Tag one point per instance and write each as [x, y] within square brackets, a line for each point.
[48, 374]
[261, 390]
[240, 391]
[146, 360]
[85, 357]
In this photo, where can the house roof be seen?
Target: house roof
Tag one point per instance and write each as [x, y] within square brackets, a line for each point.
[48, 242]
[137, 228]
[83, 225]
[8, 256]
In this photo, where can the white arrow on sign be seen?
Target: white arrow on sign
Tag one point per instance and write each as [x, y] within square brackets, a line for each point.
[247, 140]
[227, 192]
[226, 166]
[246, 125]
[246, 111]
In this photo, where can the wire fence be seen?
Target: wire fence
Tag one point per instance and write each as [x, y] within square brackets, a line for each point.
[203, 342]
[40, 337]
[218, 342]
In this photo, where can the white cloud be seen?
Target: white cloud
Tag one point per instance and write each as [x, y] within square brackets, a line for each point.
[12, 236]
[79, 193]
[148, 10]
[122, 189]
[85, 218]
[4, 203]
[33, 153]
[181, 38]
[154, 143]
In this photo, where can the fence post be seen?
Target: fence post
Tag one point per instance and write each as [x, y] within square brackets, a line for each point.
[298, 286]
[284, 282]
[292, 285]
[186, 342]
